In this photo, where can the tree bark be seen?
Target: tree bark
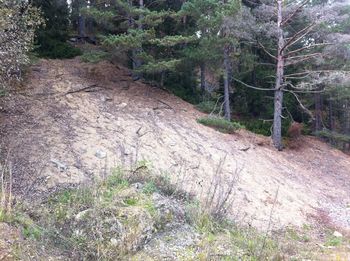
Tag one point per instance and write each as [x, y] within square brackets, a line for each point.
[136, 63]
[81, 26]
[227, 84]
[331, 115]
[346, 125]
[318, 112]
[203, 69]
[278, 99]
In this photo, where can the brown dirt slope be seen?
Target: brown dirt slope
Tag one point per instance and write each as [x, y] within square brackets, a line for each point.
[56, 135]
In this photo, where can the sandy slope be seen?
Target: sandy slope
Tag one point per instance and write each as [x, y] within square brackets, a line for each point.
[131, 122]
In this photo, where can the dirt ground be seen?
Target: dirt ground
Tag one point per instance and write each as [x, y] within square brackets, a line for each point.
[73, 122]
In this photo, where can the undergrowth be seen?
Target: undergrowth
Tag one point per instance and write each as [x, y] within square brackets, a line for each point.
[220, 124]
[116, 216]
[94, 56]
[55, 49]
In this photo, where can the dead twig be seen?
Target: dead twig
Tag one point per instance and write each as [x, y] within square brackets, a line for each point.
[90, 88]
[162, 102]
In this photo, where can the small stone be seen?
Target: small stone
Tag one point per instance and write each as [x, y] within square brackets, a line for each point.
[337, 234]
[82, 214]
[101, 154]
[122, 105]
[114, 242]
[106, 99]
[61, 166]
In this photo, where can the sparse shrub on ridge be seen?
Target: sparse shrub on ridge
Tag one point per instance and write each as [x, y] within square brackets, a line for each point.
[220, 124]
[94, 56]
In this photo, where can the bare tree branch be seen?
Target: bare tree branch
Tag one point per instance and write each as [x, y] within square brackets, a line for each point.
[252, 87]
[266, 51]
[298, 36]
[303, 56]
[301, 104]
[301, 59]
[307, 47]
[295, 12]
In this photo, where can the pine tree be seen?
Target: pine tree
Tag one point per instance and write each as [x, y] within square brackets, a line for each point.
[140, 33]
[51, 38]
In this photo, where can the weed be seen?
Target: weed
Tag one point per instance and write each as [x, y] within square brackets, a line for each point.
[32, 231]
[131, 201]
[117, 179]
[334, 241]
[149, 188]
[3, 92]
[150, 207]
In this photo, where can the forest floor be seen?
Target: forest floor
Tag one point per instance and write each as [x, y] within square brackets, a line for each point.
[73, 121]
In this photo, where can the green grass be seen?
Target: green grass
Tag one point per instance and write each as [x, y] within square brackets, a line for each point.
[220, 124]
[334, 241]
[149, 188]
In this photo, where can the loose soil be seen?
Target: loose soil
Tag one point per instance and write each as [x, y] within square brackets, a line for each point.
[72, 122]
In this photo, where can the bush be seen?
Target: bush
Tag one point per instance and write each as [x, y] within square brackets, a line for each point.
[208, 106]
[258, 126]
[264, 127]
[94, 56]
[337, 137]
[220, 124]
[55, 49]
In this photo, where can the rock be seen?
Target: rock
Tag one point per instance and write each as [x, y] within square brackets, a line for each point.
[170, 211]
[101, 154]
[82, 214]
[61, 166]
[172, 244]
[122, 105]
[337, 234]
[106, 99]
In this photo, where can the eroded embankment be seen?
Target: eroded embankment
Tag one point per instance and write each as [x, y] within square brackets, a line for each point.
[73, 121]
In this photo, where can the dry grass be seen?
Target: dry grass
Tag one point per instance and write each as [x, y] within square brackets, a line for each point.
[6, 196]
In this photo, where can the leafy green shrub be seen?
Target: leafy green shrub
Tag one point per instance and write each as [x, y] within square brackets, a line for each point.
[55, 49]
[338, 137]
[263, 127]
[258, 126]
[207, 106]
[94, 56]
[334, 241]
[149, 188]
[220, 124]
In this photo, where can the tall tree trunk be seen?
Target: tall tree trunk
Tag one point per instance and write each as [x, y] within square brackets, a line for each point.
[140, 27]
[81, 26]
[203, 69]
[227, 84]
[318, 112]
[136, 63]
[347, 117]
[331, 115]
[278, 100]
[136, 52]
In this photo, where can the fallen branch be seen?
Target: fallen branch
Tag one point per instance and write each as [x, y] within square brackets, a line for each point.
[164, 104]
[84, 89]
